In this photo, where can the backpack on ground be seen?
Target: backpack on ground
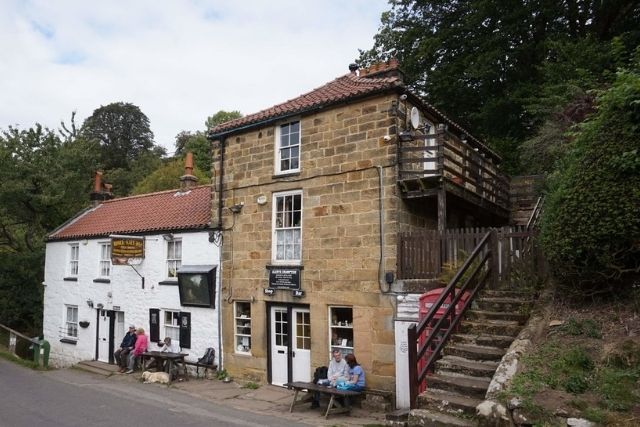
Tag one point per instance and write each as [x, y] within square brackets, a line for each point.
[209, 357]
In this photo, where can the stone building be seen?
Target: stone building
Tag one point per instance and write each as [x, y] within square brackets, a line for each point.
[91, 294]
[310, 196]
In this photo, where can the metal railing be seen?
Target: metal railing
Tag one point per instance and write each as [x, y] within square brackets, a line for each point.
[25, 347]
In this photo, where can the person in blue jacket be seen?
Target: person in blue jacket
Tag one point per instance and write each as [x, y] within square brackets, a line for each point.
[356, 380]
[126, 346]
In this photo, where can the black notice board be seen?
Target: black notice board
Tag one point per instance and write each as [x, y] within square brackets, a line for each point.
[284, 277]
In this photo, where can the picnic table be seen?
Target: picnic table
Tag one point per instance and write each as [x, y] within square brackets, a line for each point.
[172, 359]
[333, 407]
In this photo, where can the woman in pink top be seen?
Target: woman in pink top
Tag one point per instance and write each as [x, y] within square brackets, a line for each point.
[140, 347]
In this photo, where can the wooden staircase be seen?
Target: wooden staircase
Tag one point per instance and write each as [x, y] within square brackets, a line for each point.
[461, 377]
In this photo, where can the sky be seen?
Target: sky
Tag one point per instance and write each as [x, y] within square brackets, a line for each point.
[179, 61]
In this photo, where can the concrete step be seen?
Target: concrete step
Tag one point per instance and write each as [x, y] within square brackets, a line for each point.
[475, 387]
[460, 365]
[521, 318]
[502, 304]
[447, 402]
[499, 341]
[490, 327]
[99, 368]
[474, 352]
[424, 417]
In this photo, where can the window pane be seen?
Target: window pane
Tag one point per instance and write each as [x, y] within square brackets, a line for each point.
[295, 126]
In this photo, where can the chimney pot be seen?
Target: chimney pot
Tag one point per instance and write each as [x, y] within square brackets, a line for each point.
[353, 67]
[188, 180]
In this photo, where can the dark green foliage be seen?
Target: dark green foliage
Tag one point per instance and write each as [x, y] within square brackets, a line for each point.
[587, 327]
[221, 117]
[167, 177]
[591, 228]
[198, 144]
[21, 276]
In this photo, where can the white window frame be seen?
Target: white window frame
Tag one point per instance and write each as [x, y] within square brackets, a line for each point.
[242, 339]
[71, 323]
[278, 228]
[173, 262]
[104, 265]
[279, 148]
[74, 259]
[171, 329]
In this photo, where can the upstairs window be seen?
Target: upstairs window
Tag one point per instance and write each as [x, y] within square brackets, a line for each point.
[287, 227]
[74, 254]
[288, 148]
[105, 260]
[174, 257]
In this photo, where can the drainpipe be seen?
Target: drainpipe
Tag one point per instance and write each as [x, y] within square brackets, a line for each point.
[381, 276]
[220, 187]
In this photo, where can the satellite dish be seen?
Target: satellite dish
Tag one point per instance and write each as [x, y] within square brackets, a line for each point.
[415, 118]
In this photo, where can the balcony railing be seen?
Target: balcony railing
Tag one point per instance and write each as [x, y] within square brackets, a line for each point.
[427, 159]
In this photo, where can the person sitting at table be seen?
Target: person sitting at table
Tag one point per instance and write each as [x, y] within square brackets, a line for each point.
[356, 381]
[166, 346]
[139, 348]
[121, 354]
[338, 370]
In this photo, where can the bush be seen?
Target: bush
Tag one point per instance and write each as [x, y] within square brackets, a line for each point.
[591, 227]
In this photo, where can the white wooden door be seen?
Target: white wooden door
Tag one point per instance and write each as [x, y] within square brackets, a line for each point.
[430, 167]
[119, 331]
[301, 354]
[103, 336]
[279, 345]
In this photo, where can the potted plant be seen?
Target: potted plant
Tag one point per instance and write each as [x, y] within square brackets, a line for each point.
[83, 323]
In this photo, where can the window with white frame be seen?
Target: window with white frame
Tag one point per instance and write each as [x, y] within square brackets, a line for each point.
[172, 326]
[74, 255]
[174, 257]
[287, 227]
[242, 317]
[71, 321]
[105, 260]
[287, 148]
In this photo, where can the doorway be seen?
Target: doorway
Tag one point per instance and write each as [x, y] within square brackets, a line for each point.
[289, 344]
[109, 333]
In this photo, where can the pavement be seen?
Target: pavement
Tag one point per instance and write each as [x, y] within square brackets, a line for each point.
[267, 400]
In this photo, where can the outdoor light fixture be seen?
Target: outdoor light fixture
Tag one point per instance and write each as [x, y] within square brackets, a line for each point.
[237, 208]
[90, 303]
[168, 237]
[100, 306]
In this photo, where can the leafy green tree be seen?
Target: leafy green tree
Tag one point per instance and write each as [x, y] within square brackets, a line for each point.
[198, 144]
[221, 117]
[591, 228]
[167, 177]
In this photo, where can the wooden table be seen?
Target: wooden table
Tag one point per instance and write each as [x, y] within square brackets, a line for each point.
[333, 408]
[171, 359]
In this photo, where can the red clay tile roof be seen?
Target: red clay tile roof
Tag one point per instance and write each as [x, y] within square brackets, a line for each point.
[166, 210]
[341, 89]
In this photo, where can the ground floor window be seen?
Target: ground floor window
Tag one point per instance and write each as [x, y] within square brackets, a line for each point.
[341, 329]
[242, 319]
[172, 326]
[71, 321]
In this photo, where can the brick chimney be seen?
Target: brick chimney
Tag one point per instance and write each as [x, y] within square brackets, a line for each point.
[391, 68]
[188, 180]
[101, 191]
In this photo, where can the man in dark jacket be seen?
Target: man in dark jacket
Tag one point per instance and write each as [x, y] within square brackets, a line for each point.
[126, 346]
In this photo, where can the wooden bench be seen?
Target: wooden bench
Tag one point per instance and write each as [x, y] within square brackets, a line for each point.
[333, 407]
[199, 365]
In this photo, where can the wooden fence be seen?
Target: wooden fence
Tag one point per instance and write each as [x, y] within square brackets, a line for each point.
[427, 254]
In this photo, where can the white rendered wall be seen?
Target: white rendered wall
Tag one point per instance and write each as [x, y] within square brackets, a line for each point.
[124, 290]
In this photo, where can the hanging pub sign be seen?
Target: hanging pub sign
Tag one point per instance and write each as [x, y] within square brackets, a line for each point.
[284, 277]
[124, 248]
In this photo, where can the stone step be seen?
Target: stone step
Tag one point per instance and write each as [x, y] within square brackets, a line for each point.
[505, 293]
[521, 318]
[475, 387]
[502, 304]
[461, 365]
[474, 352]
[88, 367]
[447, 402]
[490, 327]
[499, 341]
[425, 417]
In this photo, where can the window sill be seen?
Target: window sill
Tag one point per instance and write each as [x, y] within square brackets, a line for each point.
[168, 283]
[69, 341]
[70, 279]
[285, 175]
[287, 264]
[99, 280]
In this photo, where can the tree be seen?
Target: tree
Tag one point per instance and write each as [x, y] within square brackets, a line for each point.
[167, 177]
[221, 117]
[591, 226]
[127, 149]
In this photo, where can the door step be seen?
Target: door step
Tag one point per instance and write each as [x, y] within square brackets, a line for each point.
[97, 367]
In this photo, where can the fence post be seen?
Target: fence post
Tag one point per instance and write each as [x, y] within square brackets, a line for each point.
[12, 342]
[494, 262]
[412, 339]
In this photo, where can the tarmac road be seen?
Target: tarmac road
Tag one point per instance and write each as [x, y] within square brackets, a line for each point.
[70, 398]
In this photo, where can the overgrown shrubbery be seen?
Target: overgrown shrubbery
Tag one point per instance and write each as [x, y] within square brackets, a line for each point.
[591, 228]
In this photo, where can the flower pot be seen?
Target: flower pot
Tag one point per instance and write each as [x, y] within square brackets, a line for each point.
[84, 323]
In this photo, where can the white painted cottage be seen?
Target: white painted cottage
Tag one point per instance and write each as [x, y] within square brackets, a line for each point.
[173, 291]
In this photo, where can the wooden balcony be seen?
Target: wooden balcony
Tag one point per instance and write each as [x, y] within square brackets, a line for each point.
[441, 162]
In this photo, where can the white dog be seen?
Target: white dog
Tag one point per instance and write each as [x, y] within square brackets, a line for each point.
[155, 377]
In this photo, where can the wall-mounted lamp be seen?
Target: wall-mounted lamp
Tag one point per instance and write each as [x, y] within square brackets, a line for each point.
[237, 208]
[168, 237]
[100, 306]
[90, 303]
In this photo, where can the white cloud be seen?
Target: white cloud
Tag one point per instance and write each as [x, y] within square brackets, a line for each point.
[178, 61]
